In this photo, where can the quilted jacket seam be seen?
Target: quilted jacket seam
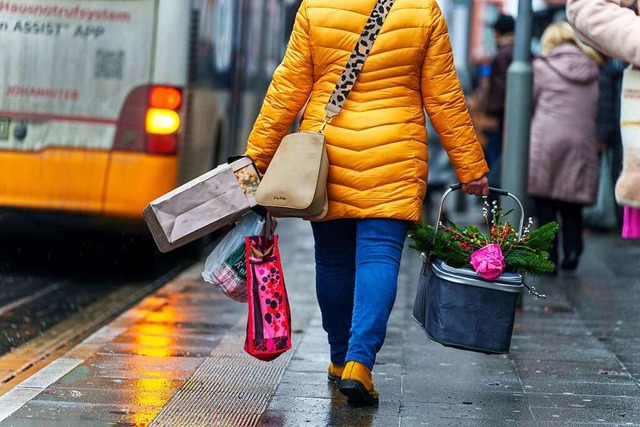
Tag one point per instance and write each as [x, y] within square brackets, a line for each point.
[350, 168]
[413, 152]
[311, 52]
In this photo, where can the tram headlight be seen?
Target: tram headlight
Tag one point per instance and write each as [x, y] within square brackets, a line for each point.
[161, 121]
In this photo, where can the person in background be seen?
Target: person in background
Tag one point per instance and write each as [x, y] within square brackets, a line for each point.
[563, 156]
[609, 26]
[377, 150]
[483, 123]
[504, 29]
[611, 71]
[613, 27]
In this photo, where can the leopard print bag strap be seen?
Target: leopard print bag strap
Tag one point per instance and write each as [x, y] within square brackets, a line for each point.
[357, 59]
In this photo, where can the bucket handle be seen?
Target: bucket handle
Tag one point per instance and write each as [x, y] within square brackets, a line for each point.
[492, 190]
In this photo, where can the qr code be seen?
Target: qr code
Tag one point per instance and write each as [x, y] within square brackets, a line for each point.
[109, 64]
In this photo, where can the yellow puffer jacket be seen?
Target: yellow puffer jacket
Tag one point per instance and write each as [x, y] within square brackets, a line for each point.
[377, 146]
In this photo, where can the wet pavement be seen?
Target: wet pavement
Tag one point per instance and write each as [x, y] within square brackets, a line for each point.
[177, 359]
[49, 278]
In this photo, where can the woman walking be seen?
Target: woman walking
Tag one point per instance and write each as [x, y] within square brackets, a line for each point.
[377, 149]
[563, 156]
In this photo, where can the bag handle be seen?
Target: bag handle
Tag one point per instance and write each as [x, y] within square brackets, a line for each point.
[269, 226]
[356, 60]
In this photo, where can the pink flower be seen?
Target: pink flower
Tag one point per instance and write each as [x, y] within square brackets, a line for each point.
[488, 261]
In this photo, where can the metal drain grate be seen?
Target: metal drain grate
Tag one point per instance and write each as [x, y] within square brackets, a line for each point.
[230, 388]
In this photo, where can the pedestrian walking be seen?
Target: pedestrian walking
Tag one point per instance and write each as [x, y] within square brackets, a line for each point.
[563, 155]
[484, 123]
[611, 74]
[377, 150]
[613, 27]
[504, 29]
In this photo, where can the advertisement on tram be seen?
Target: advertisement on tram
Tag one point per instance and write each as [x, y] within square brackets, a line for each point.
[107, 104]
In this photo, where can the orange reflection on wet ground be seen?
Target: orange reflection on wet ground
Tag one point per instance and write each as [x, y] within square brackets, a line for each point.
[155, 338]
[157, 335]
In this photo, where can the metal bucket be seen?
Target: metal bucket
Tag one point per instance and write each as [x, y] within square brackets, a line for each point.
[458, 308]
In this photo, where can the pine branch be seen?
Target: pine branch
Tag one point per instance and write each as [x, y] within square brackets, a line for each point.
[454, 245]
[542, 237]
[527, 262]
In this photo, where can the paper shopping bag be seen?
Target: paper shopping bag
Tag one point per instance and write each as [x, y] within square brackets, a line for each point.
[202, 205]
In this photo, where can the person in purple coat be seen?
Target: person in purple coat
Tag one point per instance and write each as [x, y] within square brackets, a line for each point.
[563, 156]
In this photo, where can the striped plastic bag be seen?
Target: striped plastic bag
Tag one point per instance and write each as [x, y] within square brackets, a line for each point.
[226, 266]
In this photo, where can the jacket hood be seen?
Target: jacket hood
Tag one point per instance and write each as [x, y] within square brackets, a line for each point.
[572, 64]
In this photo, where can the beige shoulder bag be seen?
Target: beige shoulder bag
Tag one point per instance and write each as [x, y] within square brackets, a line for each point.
[295, 183]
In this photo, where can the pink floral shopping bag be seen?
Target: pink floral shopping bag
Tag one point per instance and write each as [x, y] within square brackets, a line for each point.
[269, 318]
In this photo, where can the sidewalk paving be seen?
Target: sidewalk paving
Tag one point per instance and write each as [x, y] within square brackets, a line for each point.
[574, 359]
[176, 359]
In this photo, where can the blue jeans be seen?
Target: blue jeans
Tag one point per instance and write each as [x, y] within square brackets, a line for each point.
[357, 263]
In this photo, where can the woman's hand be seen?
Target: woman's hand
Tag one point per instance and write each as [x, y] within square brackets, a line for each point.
[479, 187]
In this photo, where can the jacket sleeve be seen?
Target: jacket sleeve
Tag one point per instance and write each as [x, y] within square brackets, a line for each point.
[289, 89]
[446, 105]
[608, 26]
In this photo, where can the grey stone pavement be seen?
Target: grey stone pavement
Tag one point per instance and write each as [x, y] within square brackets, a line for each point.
[176, 359]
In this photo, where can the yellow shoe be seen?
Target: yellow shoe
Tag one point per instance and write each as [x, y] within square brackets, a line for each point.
[357, 385]
[334, 373]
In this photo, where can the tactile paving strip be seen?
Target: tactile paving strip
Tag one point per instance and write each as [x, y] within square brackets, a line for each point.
[230, 388]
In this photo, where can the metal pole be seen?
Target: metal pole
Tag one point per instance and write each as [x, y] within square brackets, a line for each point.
[515, 158]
